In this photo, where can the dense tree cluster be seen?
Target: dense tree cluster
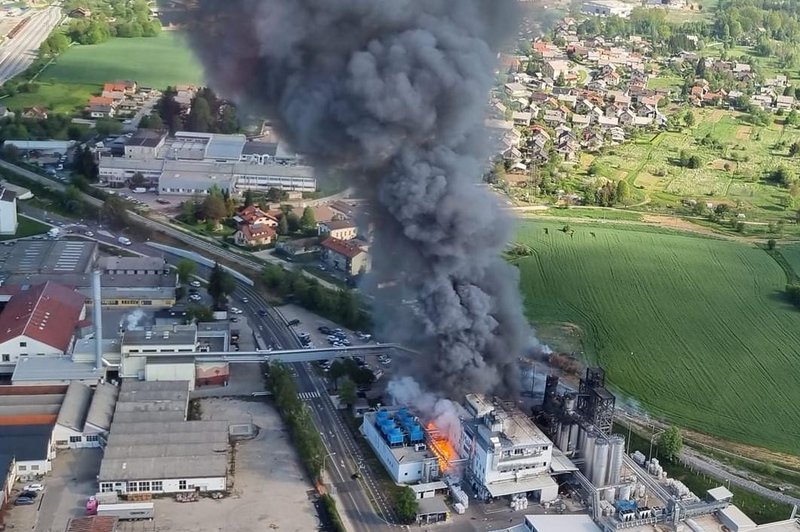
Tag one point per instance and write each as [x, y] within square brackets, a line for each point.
[55, 126]
[207, 114]
[111, 18]
[341, 306]
[221, 284]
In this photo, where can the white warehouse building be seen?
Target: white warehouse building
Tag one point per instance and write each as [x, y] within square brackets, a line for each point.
[151, 447]
[506, 453]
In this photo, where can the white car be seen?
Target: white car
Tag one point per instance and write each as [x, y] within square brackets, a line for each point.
[195, 284]
[34, 487]
[245, 300]
[236, 310]
[195, 297]
[88, 233]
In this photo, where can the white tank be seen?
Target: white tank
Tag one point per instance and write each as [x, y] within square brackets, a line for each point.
[600, 463]
[573, 436]
[563, 437]
[615, 453]
[640, 490]
[581, 440]
[589, 456]
[625, 492]
[609, 494]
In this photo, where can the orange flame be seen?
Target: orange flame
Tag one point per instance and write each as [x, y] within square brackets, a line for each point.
[441, 447]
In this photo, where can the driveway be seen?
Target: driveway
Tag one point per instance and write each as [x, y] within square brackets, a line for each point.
[73, 479]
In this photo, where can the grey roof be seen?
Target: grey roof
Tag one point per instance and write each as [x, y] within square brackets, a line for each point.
[75, 407]
[164, 438]
[172, 337]
[26, 442]
[148, 416]
[226, 147]
[38, 399]
[132, 263]
[7, 195]
[102, 408]
[48, 256]
[208, 465]
[171, 427]
[158, 386]
[433, 505]
[252, 147]
[29, 410]
[6, 461]
[146, 138]
[53, 369]
[170, 449]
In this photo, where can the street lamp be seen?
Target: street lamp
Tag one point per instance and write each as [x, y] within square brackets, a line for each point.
[325, 457]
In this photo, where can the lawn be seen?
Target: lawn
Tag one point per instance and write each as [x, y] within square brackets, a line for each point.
[27, 227]
[66, 98]
[733, 173]
[694, 329]
[153, 61]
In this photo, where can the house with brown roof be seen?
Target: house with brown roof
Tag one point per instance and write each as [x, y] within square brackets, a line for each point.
[251, 236]
[37, 113]
[38, 320]
[349, 256]
[253, 215]
[101, 107]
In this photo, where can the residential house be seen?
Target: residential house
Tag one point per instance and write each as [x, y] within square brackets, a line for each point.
[339, 229]
[250, 236]
[579, 121]
[608, 121]
[555, 116]
[643, 121]
[349, 256]
[567, 99]
[626, 118]
[764, 101]
[616, 134]
[100, 107]
[299, 246]
[553, 69]
[253, 215]
[521, 118]
[591, 140]
[516, 90]
[37, 113]
[784, 103]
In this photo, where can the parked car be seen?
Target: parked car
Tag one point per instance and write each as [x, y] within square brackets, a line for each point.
[262, 312]
[234, 319]
[195, 284]
[294, 322]
[325, 330]
[23, 501]
[29, 494]
[245, 300]
[34, 487]
[88, 233]
[195, 297]
[235, 310]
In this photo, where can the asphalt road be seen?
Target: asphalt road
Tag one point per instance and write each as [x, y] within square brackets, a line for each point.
[18, 53]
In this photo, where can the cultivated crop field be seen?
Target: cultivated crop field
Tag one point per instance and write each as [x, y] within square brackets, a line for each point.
[153, 61]
[695, 329]
[733, 172]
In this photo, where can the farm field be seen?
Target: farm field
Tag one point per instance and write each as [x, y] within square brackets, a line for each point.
[153, 61]
[732, 173]
[693, 329]
[64, 98]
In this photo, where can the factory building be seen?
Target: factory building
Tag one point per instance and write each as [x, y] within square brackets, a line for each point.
[507, 455]
[399, 442]
[151, 448]
[192, 163]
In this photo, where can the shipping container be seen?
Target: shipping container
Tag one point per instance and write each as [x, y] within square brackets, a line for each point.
[128, 511]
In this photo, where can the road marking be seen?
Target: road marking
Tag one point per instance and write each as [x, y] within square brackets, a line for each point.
[305, 396]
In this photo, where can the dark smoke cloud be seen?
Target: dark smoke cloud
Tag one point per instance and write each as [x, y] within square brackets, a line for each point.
[393, 93]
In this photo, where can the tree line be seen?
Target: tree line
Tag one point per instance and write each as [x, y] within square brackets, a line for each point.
[341, 306]
[207, 114]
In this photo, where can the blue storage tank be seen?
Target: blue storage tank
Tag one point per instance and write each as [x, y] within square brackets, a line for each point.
[387, 426]
[624, 505]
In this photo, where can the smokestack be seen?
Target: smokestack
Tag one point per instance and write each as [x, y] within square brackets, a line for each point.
[97, 308]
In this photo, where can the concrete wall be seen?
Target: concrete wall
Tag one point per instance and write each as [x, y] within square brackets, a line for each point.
[67, 438]
[8, 217]
[32, 468]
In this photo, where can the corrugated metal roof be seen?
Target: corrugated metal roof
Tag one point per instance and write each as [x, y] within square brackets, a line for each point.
[75, 407]
[94, 523]
[102, 408]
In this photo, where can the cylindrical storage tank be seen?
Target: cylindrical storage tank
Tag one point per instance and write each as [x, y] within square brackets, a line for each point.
[581, 440]
[573, 436]
[569, 402]
[625, 492]
[563, 437]
[609, 494]
[600, 463]
[640, 490]
[591, 438]
[617, 448]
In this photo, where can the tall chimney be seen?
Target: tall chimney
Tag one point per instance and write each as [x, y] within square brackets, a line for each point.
[97, 308]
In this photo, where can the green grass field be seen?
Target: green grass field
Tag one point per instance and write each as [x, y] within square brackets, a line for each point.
[27, 227]
[64, 98]
[733, 174]
[155, 61]
[693, 329]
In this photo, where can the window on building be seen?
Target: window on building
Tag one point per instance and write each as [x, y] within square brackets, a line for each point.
[75, 439]
[34, 468]
[144, 485]
[23, 344]
[181, 484]
[157, 485]
[133, 487]
[6, 357]
[61, 442]
[106, 487]
[22, 468]
[93, 438]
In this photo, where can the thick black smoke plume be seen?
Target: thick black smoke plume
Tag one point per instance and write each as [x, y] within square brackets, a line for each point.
[392, 92]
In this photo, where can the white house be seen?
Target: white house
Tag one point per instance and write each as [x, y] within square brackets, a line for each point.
[8, 212]
[31, 447]
[38, 320]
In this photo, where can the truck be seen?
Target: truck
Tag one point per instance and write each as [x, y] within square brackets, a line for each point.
[125, 241]
[130, 511]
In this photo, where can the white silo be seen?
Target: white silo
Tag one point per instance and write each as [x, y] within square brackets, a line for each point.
[588, 460]
[625, 492]
[617, 448]
[608, 494]
[573, 436]
[600, 462]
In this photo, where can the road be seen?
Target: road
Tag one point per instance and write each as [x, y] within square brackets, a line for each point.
[344, 454]
[18, 53]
